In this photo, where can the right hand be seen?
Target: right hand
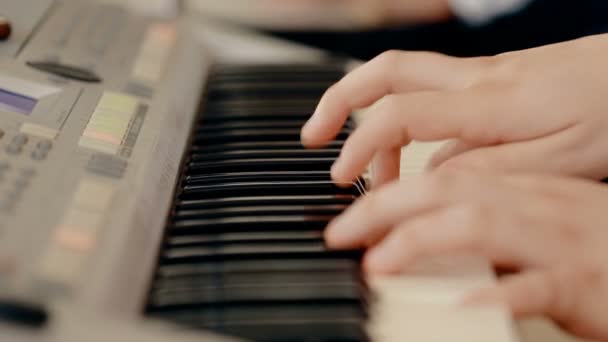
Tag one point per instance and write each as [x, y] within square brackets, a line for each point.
[326, 14]
[549, 229]
[539, 110]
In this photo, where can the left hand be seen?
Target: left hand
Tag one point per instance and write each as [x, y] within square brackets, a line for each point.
[551, 229]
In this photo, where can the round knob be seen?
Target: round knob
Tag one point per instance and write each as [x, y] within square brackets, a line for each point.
[5, 28]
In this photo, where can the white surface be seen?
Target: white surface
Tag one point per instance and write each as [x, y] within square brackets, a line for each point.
[482, 11]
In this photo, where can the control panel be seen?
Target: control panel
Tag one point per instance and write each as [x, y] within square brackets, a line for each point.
[96, 104]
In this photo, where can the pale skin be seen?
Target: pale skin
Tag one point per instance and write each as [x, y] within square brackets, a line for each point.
[518, 185]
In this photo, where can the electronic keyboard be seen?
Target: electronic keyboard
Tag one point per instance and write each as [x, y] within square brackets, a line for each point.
[153, 188]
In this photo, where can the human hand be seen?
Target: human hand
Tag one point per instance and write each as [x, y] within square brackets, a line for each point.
[325, 14]
[552, 230]
[543, 109]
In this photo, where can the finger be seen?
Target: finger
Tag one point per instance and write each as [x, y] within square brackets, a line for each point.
[436, 232]
[549, 154]
[385, 168]
[473, 116]
[378, 211]
[449, 151]
[499, 235]
[391, 72]
[530, 293]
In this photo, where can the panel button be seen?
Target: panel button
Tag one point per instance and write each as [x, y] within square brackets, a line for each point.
[154, 54]
[21, 183]
[5, 28]
[44, 145]
[109, 123]
[19, 139]
[75, 236]
[4, 166]
[14, 149]
[39, 154]
[108, 166]
[28, 172]
[6, 205]
[67, 71]
[28, 314]
[38, 131]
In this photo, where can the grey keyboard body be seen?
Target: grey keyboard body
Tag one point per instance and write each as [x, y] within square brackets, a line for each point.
[85, 89]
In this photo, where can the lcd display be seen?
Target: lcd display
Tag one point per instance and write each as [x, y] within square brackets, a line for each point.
[17, 103]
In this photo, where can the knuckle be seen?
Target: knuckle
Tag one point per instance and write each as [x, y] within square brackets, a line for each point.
[437, 183]
[410, 238]
[389, 58]
[332, 92]
[475, 221]
[388, 106]
[561, 285]
[496, 71]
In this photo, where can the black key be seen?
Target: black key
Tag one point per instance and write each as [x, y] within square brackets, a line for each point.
[264, 145]
[29, 315]
[313, 278]
[261, 165]
[250, 224]
[254, 250]
[255, 135]
[257, 176]
[273, 122]
[259, 210]
[204, 269]
[265, 200]
[249, 108]
[246, 237]
[185, 293]
[266, 154]
[267, 188]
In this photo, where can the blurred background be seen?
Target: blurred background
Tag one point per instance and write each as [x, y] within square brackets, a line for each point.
[365, 28]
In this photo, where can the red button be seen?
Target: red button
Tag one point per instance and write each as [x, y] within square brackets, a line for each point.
[5, 28]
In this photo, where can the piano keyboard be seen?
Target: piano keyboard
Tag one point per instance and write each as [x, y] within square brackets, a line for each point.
[243, 252]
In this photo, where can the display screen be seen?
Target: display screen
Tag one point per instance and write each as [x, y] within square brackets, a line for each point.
[17, 103]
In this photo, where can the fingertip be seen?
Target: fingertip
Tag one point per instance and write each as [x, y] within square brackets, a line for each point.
[336, 237]
[307, 135]
[340, 173]
[331, 240]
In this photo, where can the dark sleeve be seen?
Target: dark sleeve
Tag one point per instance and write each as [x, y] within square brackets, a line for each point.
[540, 23]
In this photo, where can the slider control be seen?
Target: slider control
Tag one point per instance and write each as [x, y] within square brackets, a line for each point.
[5, 28]
[23, 313]
[68, 71]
